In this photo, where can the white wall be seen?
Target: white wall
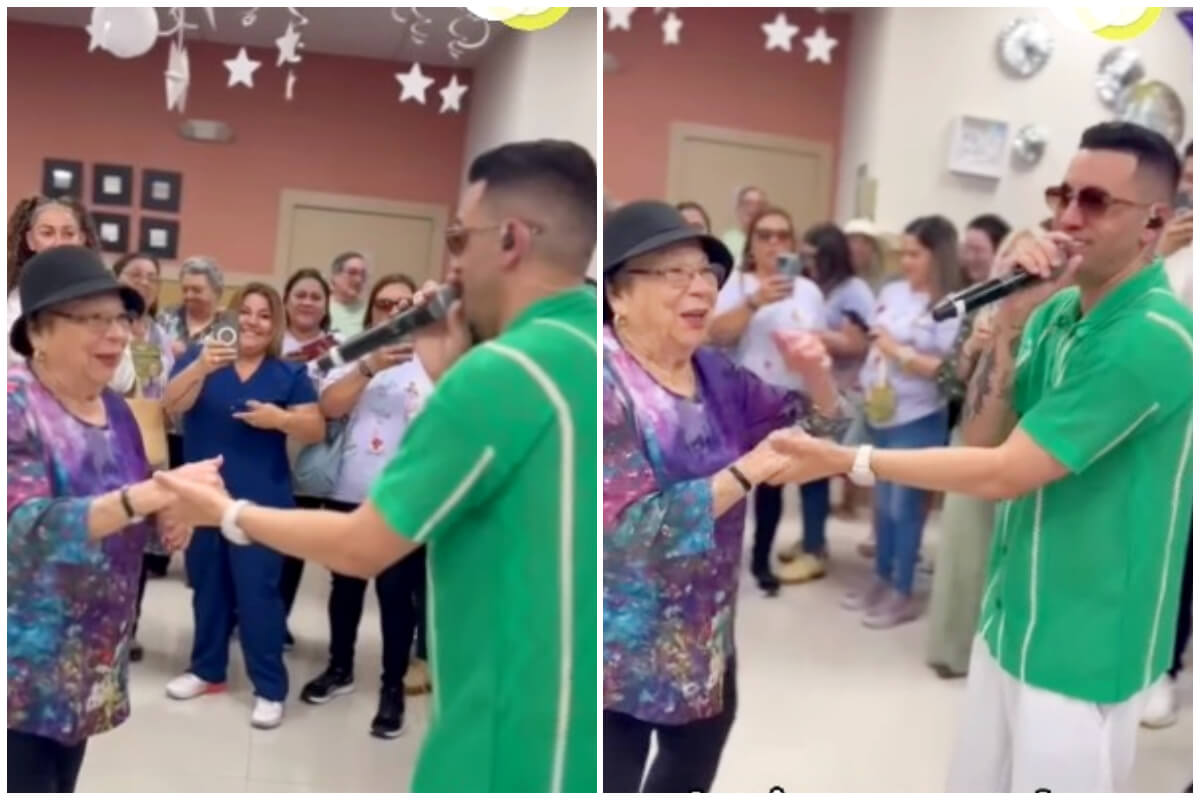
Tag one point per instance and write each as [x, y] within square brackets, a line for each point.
[913, 69]
[537, 85]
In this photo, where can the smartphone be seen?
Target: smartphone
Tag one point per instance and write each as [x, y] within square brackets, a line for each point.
[225, 332]
[856, 320]
[1183, 201]
[789, 264]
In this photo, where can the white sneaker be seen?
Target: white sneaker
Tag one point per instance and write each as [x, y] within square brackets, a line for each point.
[188, 686]
[267, 714]
[1160, 704]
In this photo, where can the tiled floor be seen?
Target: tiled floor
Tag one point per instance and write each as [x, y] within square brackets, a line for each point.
[825, 705]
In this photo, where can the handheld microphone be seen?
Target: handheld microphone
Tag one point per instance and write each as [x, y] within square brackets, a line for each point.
[981, 294]
[432, 310]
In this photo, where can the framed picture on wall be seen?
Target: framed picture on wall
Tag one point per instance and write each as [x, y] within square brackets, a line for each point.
[62, 177]
[112, 185]
[113, 231]
[160, 237]
[161, 190]
[978, 146]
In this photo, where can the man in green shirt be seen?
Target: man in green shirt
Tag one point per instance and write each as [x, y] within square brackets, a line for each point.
[497, 478]
[348, 279]
[1079, 420]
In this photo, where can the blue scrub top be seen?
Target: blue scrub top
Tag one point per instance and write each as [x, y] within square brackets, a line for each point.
[256, 462]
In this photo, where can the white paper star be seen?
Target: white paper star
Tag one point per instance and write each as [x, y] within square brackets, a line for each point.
[178, 75]
[820, 46]
[413, 84]
[241, 69]
[620, 18]
[97, 37]
[287, 45]
[780, 33]
[452, 95]
[670, 27]
[291, 83]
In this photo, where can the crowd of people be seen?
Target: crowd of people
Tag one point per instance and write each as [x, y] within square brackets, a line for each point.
[129, 424]
[768, 357]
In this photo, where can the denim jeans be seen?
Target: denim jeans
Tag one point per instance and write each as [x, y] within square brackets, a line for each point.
[900, 510]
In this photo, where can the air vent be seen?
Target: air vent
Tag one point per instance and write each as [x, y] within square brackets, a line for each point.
[206, 130]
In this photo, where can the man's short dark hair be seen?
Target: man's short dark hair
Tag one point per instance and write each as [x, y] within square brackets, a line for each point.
[993, 226]
[559, 175]
[1153, 152]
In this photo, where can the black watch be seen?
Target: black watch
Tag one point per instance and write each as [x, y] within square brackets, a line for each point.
[127, 505]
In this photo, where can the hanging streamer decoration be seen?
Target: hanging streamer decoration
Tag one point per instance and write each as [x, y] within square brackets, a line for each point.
[178, 73]
[460, 43]
[418, 28]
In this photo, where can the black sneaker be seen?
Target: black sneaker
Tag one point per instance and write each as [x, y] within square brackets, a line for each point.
[767, 581]
[389, 722]
[135, 651]
[328, 685]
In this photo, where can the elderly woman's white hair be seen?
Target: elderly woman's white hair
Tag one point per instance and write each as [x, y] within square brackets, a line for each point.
[207, 267]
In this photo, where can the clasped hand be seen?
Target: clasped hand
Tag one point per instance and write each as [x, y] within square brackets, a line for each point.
[193, 493]
[802, 458]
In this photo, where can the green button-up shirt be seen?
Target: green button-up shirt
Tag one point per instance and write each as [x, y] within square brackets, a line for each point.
[1084, 575]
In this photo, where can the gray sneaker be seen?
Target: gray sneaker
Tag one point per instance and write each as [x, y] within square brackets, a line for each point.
[865, 596]
[895, 609]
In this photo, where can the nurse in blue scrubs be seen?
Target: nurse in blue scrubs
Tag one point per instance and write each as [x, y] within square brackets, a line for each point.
[241, 402]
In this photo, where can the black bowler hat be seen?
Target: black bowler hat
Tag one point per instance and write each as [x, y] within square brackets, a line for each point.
[648, 225]
[59, 275]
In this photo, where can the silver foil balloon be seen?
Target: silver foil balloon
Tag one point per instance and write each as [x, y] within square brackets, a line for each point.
[1154, 105]
[1120, 68]
[1029, 144]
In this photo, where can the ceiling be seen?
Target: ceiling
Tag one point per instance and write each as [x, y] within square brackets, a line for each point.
[361, 32]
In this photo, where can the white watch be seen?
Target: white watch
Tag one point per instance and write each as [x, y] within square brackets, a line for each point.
[861, 473]
[229, 525]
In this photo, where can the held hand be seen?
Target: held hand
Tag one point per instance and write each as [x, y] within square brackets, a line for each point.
[762, 462]
[807, 457]
[1177, 235]
[174, 531]
[386, 357]
[196, 502]
[1054, 257]
[441, 344]
[216, 355]
[804, 353]
[776, 287]
[265, 416]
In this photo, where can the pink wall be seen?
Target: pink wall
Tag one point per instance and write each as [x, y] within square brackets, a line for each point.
[719, 74]
[344, 132]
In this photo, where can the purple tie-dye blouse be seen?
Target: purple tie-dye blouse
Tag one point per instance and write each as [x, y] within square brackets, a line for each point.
[70, 597]
[670, 569]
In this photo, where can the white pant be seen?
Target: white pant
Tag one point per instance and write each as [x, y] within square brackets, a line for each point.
[1017, 738]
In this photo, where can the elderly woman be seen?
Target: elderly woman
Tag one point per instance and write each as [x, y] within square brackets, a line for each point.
[241, 402]
[201, 282]
[79, 496]
[683, 447]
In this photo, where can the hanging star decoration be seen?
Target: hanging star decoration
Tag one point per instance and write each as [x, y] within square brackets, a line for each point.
[178, 75]
[670, 28]
[287, 45]
[241, 69]
[452, 95]
[820, 46]
[620, 18]
[780, 33]
[461, 43]
[212, 18]
[413, 84]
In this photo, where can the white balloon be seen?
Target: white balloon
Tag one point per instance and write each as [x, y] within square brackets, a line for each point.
[125, 32]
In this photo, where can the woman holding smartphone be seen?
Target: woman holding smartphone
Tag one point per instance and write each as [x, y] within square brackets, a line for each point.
[241, 401]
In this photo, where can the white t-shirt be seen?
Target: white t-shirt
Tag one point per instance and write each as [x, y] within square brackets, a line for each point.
[755, 350]
[385, 409]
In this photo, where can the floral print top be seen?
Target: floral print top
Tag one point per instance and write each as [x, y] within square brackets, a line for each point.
[70, 597]
[670, 568]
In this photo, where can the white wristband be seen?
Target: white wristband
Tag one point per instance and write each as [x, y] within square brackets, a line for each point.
[229, 525]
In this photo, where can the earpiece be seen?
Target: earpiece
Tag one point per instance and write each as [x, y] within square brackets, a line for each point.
[506, 241]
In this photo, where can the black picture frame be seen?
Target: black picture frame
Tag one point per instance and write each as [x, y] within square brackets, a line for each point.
[62, 177]
[168, 248]
[154, 198]
[105, 222]
[104, 194]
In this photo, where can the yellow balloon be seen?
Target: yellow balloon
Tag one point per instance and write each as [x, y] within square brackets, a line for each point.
[1119, 23]
[1120, 33]
[536, 22]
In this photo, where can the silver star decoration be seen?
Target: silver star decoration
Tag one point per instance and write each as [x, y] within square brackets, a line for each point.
[241, 69]
[780, 33]
[414, 84]
[178, 75]
[671, 27]
[291, 82]
[288, 44]
[620, 18]
[452, 95]
[820, 46]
